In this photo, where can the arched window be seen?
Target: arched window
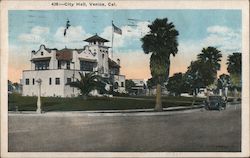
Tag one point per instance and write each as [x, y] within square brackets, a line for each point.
[116, 85]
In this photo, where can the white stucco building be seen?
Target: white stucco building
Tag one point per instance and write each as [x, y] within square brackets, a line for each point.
[140, 86]
[57, 67]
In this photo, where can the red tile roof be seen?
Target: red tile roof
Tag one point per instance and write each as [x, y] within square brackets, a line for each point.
[64, 54]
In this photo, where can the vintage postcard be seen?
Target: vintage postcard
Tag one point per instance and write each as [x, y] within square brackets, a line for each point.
[125, 78]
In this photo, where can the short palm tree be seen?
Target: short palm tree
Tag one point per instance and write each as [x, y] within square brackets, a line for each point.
[160, 42]
[87, 83]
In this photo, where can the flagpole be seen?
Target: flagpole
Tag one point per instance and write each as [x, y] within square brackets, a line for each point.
[112, 42]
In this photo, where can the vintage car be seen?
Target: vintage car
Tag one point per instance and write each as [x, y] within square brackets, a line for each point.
[215, 103]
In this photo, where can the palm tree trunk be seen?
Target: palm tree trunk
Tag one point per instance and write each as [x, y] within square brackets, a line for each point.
[158, 105]
[235, 95]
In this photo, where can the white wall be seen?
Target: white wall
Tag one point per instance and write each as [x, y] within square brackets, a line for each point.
[119, 79]
[85, 54]
[60, 90]
[101, 62]
[43, 53]
[63, 90]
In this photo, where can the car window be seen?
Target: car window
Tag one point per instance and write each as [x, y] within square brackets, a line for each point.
[214, 98]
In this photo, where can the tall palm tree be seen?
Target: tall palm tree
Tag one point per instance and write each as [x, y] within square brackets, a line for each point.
[234, 68]
[211, 56]
[160, 42]
[234, 63]
[87, 83]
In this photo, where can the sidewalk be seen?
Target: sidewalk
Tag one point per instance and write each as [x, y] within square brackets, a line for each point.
[130, 112]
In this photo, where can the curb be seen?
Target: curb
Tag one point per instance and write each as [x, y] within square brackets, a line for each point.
[134, 112]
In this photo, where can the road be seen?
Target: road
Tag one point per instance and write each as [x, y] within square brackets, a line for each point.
[183, 132]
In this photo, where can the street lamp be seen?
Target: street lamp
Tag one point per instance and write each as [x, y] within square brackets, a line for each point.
[38, 110]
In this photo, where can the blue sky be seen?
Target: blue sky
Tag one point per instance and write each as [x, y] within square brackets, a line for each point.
[28, 29]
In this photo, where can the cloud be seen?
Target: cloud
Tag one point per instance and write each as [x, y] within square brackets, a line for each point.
[218, 29]
[130, 34]
[74, 34]
[37, 35]
[41, 35]
[38, 30]
[224, 38]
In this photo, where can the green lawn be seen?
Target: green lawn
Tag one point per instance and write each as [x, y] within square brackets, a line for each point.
[93, 103]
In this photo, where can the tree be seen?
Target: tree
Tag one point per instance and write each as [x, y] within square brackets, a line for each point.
[223, 83]
[234, 64]
[10, 86]
[128, 85]
[193, 78]
[160, 42]
[151, 83]
[234, 68]
[209, 59]
[87, 83]
[175, 84]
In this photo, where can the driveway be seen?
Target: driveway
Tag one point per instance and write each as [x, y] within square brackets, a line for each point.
[199, 130]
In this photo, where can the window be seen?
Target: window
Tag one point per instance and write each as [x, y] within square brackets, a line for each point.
[41, 53]
[114, 71]
[122, 84]
[68, 65]
[68, 80]
[42, 65]
[27, 81]
[102, 56]
[86, 65]
[33, 81]
[50, 81]
[116, 85]
[57, 81]
[59, 64]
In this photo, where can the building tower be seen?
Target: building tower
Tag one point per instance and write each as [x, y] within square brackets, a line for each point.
[96, 46]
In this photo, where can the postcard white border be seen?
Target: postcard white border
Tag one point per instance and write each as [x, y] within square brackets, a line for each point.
[149, 4]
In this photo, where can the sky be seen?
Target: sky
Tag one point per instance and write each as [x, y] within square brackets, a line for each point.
[28, 29]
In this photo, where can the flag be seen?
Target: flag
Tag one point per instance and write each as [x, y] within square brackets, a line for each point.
[117, 30]
[66, 28]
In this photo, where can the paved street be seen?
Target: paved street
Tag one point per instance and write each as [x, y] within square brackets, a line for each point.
[198, 130]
